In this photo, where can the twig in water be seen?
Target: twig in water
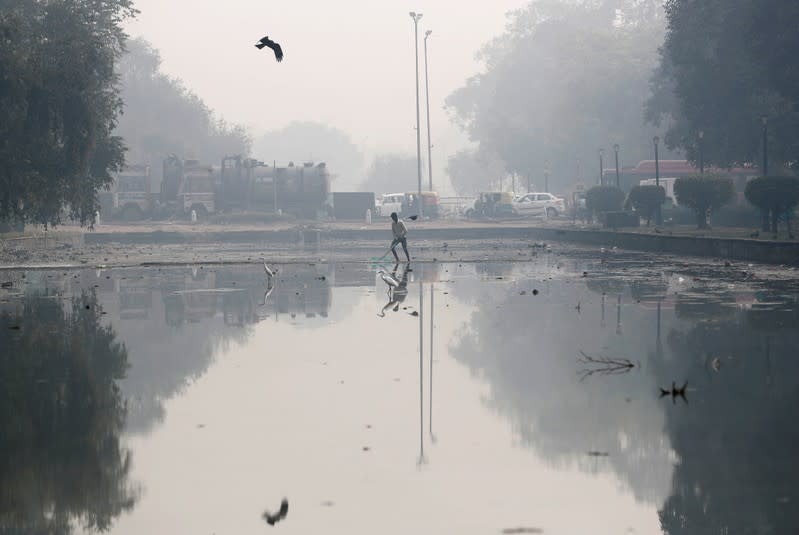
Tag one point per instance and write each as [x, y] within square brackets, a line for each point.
[603, 366]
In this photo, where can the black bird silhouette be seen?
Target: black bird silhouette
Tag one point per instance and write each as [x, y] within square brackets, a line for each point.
[266, 41]
[271, 519]
[675, 392]
[413, 217]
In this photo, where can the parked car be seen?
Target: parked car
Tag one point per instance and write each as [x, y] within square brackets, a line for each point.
[539, 203]
[390, 202]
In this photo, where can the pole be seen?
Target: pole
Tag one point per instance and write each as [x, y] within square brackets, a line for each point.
[546, 176]
[659, 213]
[616, 150]
[765, 145]
[601, 168]
[701, 152]
[274, 184]
[427, 106]
[416, 17]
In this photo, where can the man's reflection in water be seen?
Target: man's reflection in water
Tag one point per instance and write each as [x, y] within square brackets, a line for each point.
[397, 288]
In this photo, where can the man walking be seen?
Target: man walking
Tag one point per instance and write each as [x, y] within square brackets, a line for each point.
[399, 230]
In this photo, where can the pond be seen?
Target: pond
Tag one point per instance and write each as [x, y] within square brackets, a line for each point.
[577, 391]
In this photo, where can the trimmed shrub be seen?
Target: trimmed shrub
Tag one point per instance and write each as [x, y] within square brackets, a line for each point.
[601, 199]
[703, 195]
[776, 196]
[645, 200]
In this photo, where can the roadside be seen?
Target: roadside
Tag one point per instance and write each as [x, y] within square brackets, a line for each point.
[184, 242]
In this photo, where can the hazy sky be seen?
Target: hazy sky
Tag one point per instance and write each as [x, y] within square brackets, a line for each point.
[348, 63]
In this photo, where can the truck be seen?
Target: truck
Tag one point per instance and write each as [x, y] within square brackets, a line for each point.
[187, 186]
[130, 196]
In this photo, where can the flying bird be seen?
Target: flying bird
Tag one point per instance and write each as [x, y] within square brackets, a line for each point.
[271, 519]
[266, 41]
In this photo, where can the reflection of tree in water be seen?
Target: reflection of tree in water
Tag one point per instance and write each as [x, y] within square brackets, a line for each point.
[526, 349]
[197, 313]
[737, 442]
[61, 414]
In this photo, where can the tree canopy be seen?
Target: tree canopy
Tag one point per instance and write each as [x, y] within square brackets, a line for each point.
[646, 199]
[604, 199]
[774, 195]
[566, 79]
[162, 117]
[392, 173]
[59, 103]
[725, 64]
[306, 141]
[703, 195]
[472, 171]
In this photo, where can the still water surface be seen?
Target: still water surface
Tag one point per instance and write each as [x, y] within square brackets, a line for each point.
[189, 400]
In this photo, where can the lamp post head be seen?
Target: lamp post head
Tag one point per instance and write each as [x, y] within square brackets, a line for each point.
[427, 33]
[601, 152]
[764, 119]
[415, 16]
[412, 14]
[701, 134]
[656, 140]
[616, 147]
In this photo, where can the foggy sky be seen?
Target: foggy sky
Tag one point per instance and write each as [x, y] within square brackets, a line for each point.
[349, 63]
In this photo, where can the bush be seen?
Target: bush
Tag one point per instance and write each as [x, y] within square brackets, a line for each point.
[601, 199]
[646, 199]
[703, 195]
[776, 196]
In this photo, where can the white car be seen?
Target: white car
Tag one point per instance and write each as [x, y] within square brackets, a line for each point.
[391, 202]
[539, 204]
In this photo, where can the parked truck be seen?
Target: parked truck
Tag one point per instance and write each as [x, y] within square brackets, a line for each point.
[130, 196]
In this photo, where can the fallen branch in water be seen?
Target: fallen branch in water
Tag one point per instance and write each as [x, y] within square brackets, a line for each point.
[603, 366]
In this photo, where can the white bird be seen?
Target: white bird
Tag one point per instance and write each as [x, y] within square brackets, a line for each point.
[388, 279]
[268, 271]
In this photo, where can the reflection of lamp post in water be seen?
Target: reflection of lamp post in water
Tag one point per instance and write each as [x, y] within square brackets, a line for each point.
[618, 315]
[430, 396]
[659, 348]
[602, 321]
[421, 371]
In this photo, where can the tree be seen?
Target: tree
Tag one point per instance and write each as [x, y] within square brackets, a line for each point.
[776, 196]
[162, 117]
[472, 171]
[306, 140]
[59, 103]
[392, 173]
[703, 195]
[601, 199]
[724, 64]
[646, 199]
[565, 79]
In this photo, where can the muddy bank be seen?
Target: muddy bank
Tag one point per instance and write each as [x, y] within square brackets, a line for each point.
[430, 241]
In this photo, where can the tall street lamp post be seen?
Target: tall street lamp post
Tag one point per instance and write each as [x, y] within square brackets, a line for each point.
[601, 167]
[427, 104]
[546, 176]
[659, 214]
[764, 120]
[416, 17]
[616, 151]
[701, 152]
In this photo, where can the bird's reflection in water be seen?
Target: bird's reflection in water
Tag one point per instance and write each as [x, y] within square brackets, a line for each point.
[397, 282]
